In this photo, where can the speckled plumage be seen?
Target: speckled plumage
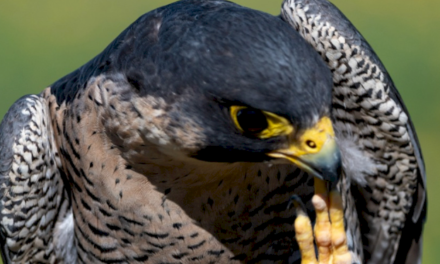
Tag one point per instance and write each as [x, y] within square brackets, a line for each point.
[137, 147]
[368, 109]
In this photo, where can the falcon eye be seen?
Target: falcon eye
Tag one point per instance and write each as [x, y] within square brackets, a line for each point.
[251, 120]
[258, 123]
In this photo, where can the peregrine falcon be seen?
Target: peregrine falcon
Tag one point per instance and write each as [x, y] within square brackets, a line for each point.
[208, 132]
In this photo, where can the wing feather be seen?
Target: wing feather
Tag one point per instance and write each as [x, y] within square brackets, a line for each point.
[31, 188]
[369, 111]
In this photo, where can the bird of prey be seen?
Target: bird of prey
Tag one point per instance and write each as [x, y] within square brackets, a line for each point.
[207, 132]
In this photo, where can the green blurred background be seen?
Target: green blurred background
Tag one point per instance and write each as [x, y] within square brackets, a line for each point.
[41, 41]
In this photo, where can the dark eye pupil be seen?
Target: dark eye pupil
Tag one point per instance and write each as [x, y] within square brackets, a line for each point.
[251, 120]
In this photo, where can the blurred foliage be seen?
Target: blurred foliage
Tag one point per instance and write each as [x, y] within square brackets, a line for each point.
[41, 41]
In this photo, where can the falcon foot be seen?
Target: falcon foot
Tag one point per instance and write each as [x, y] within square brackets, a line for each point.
[329, 232]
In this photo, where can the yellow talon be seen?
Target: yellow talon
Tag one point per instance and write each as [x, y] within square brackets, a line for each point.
[329, 230]
[304, 237]
[341, 255]
[322, 226]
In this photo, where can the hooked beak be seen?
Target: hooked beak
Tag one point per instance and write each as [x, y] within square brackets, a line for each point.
[316, 152]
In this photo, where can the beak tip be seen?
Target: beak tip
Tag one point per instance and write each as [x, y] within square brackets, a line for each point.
[334, 170]
[329, 169]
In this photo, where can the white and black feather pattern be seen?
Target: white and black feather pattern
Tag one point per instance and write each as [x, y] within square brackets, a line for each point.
[33, 197]
[369, 113]
[109, 219]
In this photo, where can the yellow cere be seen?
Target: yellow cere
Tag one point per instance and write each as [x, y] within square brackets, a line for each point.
[277, 125]
[312, 140]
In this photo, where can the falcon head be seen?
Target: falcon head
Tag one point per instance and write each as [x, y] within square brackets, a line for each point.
[223, 83]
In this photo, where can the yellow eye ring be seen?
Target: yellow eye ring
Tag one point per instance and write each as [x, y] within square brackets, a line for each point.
[276, 125]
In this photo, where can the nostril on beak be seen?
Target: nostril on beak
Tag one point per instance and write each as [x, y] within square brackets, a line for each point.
[311, 144]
